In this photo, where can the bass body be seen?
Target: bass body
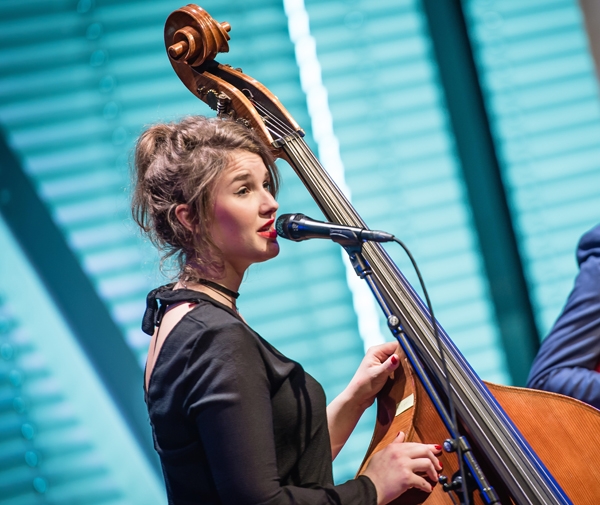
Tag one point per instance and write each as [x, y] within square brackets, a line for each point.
[562, 431]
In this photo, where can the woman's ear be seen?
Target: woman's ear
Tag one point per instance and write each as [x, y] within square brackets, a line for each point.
[182, 212]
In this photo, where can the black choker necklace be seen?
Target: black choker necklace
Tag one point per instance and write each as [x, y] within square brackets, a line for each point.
[234, 294]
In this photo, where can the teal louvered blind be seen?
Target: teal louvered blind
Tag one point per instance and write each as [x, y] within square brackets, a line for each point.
[73, 99]
[400, 164]
[61, 438]
[542, 98]
[72, 116]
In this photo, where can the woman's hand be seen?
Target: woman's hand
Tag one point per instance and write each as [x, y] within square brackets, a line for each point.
[345, 410]
[401, 466]
[373, 372]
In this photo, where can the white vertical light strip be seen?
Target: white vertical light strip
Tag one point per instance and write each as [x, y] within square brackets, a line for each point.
[329, 154]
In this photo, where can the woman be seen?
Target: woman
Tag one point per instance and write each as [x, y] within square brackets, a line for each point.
[234, 421]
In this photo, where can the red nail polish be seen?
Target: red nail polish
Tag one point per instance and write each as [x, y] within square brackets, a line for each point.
[394, 360]
[438, 447]
[441, 464]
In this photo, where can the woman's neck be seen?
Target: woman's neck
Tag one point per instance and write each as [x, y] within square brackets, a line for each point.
[223, 289]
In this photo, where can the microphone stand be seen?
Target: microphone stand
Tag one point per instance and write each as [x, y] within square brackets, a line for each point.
[463, 486]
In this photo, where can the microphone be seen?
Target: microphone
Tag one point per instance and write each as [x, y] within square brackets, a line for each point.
[298, 227]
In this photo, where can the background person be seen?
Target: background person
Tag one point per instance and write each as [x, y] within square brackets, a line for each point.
[569, 358]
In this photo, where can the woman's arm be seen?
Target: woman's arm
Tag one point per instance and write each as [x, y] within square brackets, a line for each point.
[569, 356]
[400, 466]
[346, 409]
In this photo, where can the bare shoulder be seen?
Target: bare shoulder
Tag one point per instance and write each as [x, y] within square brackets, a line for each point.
[169, 321]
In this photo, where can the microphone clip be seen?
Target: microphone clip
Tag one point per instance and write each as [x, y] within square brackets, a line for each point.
[347, 238]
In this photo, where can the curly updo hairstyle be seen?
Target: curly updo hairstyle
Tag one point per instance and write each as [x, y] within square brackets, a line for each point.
[179, 163]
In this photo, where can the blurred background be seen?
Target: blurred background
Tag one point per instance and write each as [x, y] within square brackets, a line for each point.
[471, 130]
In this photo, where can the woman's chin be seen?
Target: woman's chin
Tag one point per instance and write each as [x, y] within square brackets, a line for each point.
[275, 249]
[272, 250]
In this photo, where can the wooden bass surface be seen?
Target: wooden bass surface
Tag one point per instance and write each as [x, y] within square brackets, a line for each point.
[563, 432]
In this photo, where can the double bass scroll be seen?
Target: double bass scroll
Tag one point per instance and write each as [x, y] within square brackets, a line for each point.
[534, 447]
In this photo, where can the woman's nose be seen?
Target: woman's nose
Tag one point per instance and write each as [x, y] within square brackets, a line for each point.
[269, 205]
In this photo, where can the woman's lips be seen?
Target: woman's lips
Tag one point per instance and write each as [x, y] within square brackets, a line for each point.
[271, 234]
[267, 231]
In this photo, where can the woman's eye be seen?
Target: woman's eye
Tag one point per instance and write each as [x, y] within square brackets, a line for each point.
[267, 185]
[242, 191]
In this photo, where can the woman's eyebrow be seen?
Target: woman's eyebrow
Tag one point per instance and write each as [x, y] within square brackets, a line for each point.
[242, 176]
[245, 176]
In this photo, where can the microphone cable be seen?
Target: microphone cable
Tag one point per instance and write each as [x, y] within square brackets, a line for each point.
[437, 338]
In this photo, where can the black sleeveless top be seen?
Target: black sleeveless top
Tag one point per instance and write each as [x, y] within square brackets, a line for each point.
[234, 421]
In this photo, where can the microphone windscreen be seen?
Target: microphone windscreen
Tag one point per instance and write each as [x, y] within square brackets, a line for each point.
[288, 226]
[281, 225]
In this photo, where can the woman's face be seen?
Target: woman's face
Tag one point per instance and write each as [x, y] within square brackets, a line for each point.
[244, 213]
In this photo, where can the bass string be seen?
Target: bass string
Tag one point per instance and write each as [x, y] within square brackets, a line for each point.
[510, 441]
[340, 210]
[322, 185]
[302, 166]
[309, 164]
[339, 206]
[352, 218]
[279, 128]
[276, 126]
[337, 209]
[323, 190]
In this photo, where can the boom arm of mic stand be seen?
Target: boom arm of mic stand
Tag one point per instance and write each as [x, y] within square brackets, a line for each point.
[363, 270]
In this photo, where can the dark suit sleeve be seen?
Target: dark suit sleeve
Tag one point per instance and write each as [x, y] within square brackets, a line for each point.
[569, 356]
[229, 401]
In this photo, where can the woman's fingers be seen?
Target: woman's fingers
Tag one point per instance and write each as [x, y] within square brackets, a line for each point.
[423, 456]
[391, 363]
[372, 374]
[437, 450]
[383, 351]
[420, 483]
[403, 465]
[425, 466]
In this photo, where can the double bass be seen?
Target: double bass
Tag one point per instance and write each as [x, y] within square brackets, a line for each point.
[531, 447]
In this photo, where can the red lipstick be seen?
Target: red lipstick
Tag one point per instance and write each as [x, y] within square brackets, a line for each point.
[267, 231]
[272, 234]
